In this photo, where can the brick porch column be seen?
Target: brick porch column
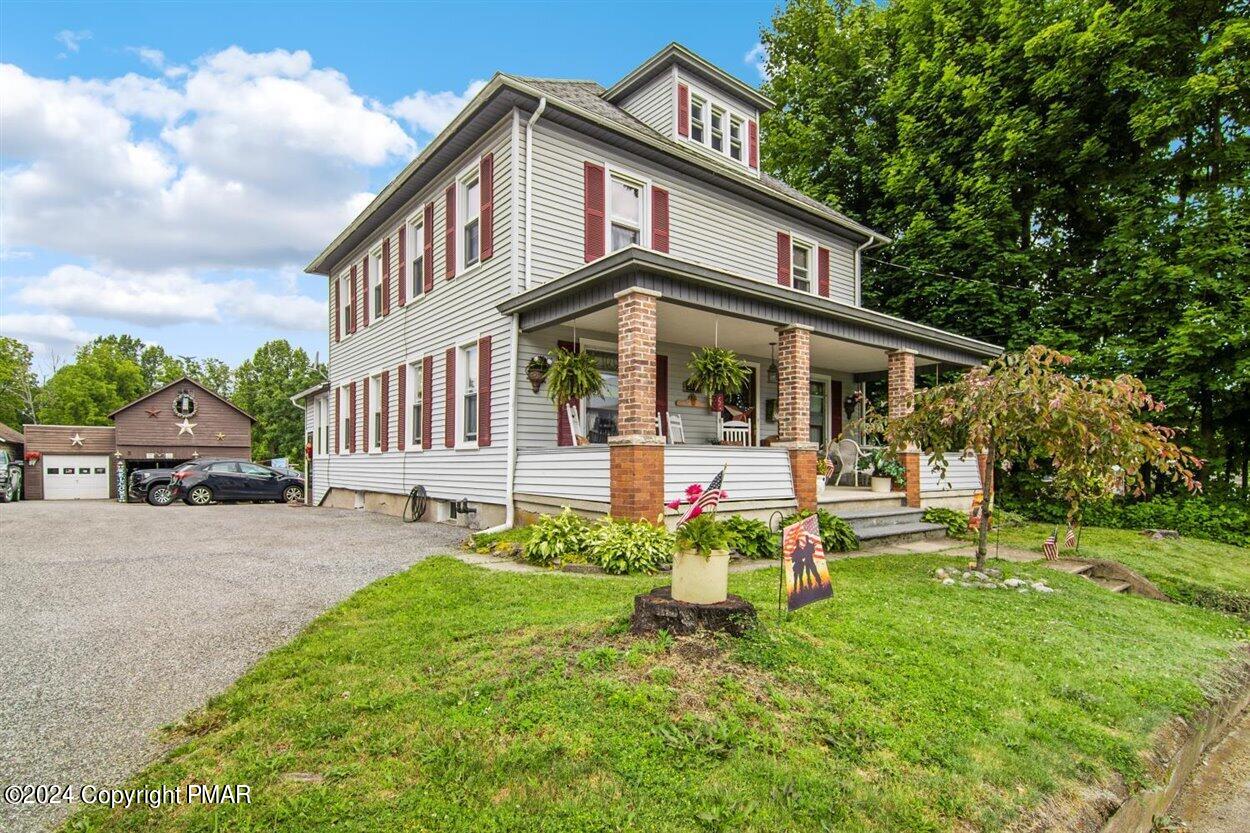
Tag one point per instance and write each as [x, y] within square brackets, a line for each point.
[794, 409]
[637, 452]
[902, 389]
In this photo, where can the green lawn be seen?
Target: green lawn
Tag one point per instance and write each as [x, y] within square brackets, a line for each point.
[452, 698]
[1205, 573]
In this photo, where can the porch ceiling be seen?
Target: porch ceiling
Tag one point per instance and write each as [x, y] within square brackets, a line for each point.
[737, 302]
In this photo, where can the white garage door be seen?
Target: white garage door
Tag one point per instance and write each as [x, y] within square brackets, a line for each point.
[75, 476]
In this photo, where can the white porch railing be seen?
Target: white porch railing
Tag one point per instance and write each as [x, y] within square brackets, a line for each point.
[753, 474]
[584, 472]
[960, 474]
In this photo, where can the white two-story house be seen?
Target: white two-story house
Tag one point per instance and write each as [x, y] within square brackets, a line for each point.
[633, 222]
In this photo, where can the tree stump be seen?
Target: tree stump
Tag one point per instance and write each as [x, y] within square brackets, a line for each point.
[658, 610]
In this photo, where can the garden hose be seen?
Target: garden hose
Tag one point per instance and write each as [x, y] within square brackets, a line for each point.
[417, 503]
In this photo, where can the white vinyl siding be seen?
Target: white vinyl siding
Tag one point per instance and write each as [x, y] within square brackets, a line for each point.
[960, 474]
[455, 311]
[652, 104]
[707, 225]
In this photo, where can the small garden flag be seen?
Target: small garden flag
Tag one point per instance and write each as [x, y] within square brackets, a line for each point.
[1069, 540]
[803, 568]
[1051, 548]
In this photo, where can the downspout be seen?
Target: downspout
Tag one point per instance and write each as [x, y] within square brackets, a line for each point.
[529, 167]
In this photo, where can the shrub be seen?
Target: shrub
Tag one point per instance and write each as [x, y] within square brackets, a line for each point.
[557, 538]
[702, 534]
[1198, 516]
[956, 522]
[836, 534]
[621, 546]
[752, 539]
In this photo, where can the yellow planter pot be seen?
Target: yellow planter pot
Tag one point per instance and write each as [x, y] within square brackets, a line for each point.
[699, 579]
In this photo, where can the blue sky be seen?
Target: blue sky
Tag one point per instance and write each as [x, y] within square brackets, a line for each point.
[169, 168]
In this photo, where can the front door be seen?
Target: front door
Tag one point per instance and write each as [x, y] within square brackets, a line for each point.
[819, 412]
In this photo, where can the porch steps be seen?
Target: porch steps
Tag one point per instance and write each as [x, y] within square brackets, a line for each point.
[891, 525]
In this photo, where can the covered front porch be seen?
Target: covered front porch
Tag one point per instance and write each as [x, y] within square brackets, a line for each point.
[643, 314]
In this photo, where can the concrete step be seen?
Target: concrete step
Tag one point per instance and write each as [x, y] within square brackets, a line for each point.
[1114, 585]
[842, 505]
[899, 532]
[1076, 568]
[868, 518]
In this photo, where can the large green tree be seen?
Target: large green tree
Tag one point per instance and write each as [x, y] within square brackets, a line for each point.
[101, 379]
[18, 385]
[1065, 171]
[264, 385]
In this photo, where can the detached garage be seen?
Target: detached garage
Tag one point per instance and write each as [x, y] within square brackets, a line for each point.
[71, 462]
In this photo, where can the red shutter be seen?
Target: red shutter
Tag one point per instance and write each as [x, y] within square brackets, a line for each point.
[683, 110]
[449, 232]
[386, 275]
[564, 432]
[753, 145]
[449, 399]
[334, 308]
[351, 438]
[659, 219]
[593, 199]
[385, 406]
[661, 388]
[783, 258]
[364, 282]
[368, 417]
[483, 391]
[486, 178]
[403, 264]
[428, 230]
[355, 302]
[823, 267]
[338, 417]
[835, 409]
[401, 414]
[427, 402]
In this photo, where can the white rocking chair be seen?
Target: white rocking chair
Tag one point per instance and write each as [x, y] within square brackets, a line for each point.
[735, 432]
[575, 424]
[676, 430]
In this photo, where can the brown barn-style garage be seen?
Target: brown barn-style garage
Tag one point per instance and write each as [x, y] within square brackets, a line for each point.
[179, 422]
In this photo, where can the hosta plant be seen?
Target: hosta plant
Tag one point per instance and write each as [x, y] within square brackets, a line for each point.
[621, 546]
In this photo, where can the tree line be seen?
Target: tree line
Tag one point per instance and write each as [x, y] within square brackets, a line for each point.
[1064, 172]
[113, 370]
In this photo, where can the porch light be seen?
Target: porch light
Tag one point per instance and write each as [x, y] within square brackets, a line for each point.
[772, 364]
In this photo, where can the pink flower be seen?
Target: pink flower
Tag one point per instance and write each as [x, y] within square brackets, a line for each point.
[694, 513]
[693, 491]
[674, 503]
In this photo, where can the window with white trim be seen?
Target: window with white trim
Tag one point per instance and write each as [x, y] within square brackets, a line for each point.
[469, 206]
[801, 266]
[735, 138]
[375, 285]
[345, 419]
[416, 245]
[345, 303]
[416, 394]
[626, 209]
[698, 112]
[375, 413]
[717, 132]
[466, 390]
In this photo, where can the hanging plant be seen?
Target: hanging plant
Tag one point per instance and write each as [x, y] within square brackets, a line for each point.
[536, 371]
[573, 376]
[716, 371]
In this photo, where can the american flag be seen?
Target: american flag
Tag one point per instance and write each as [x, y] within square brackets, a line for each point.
[707, 499]
[1051, 548]
[1069, 540]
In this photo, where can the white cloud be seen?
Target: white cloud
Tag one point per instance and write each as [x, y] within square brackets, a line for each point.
[257, 161]
[71, 40]
[44, 333]
[156, 59]
[431, 112]
[169, 298]
[757, 57]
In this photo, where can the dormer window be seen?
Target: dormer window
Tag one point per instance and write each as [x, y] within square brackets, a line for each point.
[718, 129]
[735, 138]
[698, 112]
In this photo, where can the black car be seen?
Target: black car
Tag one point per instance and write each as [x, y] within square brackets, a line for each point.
[204, 481]
[152, 485]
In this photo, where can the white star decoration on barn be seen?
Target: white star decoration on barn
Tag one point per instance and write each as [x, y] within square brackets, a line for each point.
[186, 426]
[221, 436]
[76, 439]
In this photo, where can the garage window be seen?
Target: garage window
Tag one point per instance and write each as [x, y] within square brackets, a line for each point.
[54, 471]
[99, 471]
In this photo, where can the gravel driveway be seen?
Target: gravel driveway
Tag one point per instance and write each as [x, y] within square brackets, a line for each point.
[117, 619]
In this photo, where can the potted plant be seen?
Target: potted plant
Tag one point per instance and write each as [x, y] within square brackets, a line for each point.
[886, 469]
[701, 563]
[824, 468]
[536, 371]
[716, 371]
[572, 377]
